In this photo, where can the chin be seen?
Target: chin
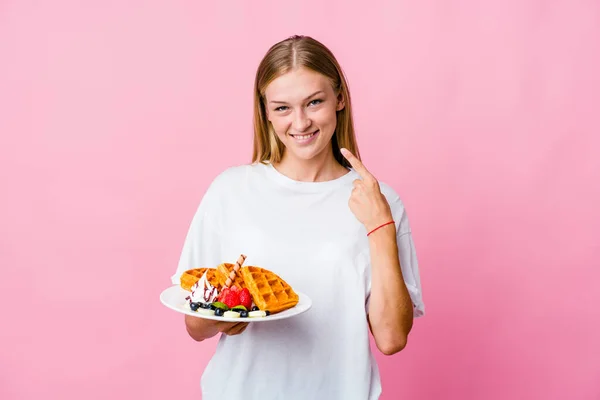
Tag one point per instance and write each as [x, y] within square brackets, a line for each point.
[306, 155]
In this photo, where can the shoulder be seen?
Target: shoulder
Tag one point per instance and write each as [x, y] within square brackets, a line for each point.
[223, 187]
[232, 174]
[229, 178]
[234, 180]
[397, 207]
[391, 195]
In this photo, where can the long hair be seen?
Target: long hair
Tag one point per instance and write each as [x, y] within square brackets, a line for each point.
[295, 52]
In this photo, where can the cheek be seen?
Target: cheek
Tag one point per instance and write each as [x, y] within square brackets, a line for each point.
[280, 125]
[325, 118]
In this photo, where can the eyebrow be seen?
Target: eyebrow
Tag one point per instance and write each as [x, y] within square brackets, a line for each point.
[312, 95]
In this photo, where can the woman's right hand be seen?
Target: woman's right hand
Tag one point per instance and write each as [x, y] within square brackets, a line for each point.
[233, 328]
[200, 329]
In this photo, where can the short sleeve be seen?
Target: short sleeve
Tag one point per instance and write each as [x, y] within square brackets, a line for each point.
[201, 247]
[410, 271]
[406, 252]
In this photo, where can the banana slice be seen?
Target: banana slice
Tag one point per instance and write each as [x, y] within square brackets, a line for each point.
[257, 314]
[231, 314]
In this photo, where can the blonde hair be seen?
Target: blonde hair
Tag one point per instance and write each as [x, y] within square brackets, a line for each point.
[283, 57]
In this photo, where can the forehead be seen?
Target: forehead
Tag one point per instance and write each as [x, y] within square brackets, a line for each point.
[296, 85]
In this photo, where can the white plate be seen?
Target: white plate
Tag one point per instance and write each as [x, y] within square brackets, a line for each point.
[174, 298]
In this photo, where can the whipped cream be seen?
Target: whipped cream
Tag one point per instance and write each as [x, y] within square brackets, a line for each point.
[203, 292]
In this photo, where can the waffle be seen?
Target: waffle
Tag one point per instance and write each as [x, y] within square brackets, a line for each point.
[268, 290]
[224, 270]
[191, 276]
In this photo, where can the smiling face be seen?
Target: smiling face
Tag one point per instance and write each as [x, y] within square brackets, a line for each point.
[301, 106]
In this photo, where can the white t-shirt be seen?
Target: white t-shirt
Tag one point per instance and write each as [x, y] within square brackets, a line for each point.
[305, 233]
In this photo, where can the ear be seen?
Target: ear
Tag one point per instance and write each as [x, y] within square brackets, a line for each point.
[340, 102]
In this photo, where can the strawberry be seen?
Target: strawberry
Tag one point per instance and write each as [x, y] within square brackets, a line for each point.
[231, 298]
[246, 298]
[223, 294]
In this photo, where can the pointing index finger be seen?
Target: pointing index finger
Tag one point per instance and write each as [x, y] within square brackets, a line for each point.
[357, 164]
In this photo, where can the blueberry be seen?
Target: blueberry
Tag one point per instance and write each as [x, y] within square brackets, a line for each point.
[255, 308]
[204, 305]
[267, 313]
[244, 314]
[194, 306]
[219, 312]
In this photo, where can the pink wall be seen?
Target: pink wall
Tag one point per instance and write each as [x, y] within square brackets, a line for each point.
[114, 116]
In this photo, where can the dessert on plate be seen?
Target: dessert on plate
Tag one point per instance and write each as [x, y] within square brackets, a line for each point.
[234, 291]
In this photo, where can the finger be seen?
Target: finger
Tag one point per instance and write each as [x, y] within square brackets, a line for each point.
[225, 327]
[358, 183]
[358, 166]
[243, 328]
[237, 329]
[232, 325]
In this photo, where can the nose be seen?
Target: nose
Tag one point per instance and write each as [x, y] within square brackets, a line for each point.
[301, 122]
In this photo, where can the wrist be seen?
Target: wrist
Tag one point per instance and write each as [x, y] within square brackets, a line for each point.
[386, 224]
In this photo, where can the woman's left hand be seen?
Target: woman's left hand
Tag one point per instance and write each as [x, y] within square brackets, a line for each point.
[367, 202]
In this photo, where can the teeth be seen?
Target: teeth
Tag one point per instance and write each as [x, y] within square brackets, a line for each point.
[304, 136]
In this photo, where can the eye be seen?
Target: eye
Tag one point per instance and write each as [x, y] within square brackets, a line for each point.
[315, 102]
[281, 108]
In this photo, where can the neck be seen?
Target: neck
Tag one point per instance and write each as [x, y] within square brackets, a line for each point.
[321, 168]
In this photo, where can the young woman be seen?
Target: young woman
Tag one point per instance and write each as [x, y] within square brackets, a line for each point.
[310, 211]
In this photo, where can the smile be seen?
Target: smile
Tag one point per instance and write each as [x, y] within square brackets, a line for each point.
[305, 138]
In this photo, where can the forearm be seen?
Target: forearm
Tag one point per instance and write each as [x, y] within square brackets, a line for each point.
[390, 306]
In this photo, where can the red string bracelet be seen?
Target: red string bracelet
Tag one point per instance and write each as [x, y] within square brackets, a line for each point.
[380, 226]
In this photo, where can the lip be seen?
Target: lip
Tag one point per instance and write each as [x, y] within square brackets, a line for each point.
[307, 140]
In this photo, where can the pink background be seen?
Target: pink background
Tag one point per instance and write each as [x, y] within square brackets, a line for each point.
[115, 116]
